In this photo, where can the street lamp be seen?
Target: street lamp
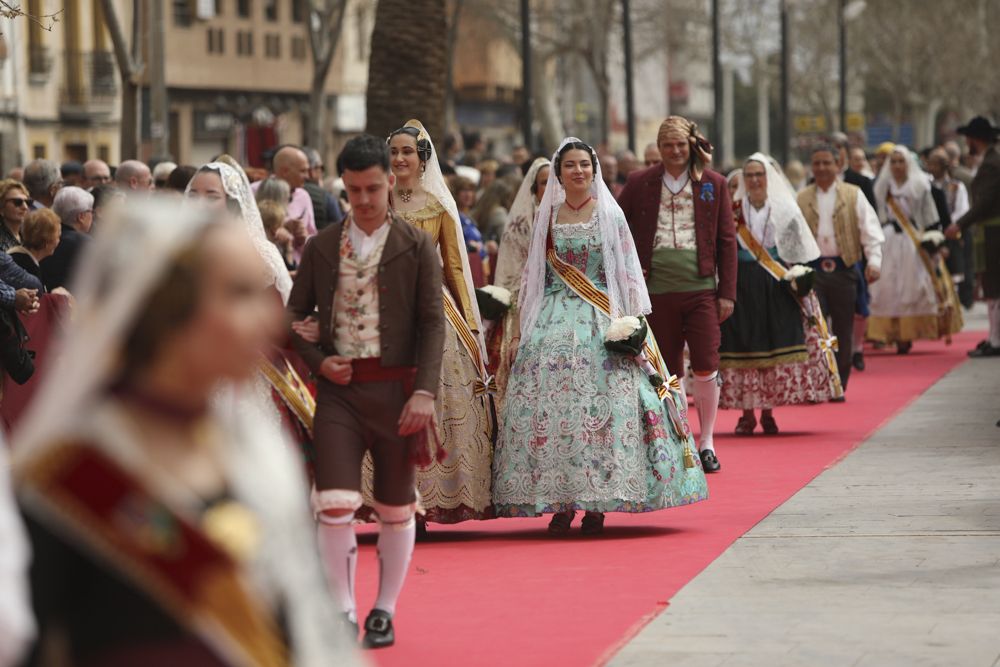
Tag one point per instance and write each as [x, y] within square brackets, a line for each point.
[849, 10]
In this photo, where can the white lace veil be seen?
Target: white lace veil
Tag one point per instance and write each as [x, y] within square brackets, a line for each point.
[237, 188]
[916, 188]
[795, 241]
[626, 286]
[435, 185]
[117, 274]
[517, 234]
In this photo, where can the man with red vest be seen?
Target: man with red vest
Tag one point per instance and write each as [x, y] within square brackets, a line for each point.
[681, 217]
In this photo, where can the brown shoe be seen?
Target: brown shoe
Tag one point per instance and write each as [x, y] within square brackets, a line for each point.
[560, 523]
[769, 425]
[593, 523]
[746, 425]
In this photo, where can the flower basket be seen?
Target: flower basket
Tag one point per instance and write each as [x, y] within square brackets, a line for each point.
[493, 302]
[626, 335]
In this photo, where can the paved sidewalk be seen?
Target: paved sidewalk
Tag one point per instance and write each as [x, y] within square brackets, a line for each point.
[892, 557]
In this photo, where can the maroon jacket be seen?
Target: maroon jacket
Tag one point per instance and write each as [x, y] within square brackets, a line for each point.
[713, 220]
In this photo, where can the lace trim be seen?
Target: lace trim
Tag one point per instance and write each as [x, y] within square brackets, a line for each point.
[432, 208]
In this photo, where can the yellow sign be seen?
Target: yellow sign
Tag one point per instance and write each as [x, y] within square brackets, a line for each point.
[855, 122]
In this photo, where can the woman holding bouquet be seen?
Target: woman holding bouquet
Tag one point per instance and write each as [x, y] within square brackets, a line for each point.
[585, 428]
[775, 348]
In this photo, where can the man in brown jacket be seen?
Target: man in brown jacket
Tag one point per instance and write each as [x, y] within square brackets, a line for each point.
[682, 220]
[376, 283]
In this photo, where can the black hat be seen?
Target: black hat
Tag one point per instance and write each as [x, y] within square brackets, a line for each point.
[980, 128]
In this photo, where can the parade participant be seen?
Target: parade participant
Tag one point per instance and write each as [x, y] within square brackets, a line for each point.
[223, 188]
[845, 225]
[510, 264]
[911, 301]
[583, 427]
[457, 488]
[376, 282]
[682, 220]
[982, 222]
[166, 526]
[772, 354]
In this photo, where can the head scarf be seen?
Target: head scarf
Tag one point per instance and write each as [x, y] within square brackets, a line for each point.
[237, 187]
[435, 185]
[626, 285]
[795, 241]
[517, 234]
[915, 192]
[701, 149]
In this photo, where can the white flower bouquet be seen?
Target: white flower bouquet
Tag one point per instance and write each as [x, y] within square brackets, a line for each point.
[627, 335]
[801, 279]
[493, 301]
[931, 241]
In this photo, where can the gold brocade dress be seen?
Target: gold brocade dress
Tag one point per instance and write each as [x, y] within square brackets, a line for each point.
[458, 488]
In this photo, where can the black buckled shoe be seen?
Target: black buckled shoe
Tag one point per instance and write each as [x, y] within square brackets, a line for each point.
[984, 349]
[858, 361]
[378, 630]
[709, 461]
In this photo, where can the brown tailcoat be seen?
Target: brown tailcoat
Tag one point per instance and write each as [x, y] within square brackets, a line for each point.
[715, 232]
[411, 314]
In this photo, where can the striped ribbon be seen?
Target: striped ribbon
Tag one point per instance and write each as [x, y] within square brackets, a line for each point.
[292, 389]
[485, 383]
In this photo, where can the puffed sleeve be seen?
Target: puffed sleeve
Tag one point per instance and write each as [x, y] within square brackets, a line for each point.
[452, 247]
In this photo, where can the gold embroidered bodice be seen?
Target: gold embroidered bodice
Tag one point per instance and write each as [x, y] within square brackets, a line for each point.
[434, 219]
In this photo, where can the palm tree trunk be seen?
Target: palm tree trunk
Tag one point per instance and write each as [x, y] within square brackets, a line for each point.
[408, 70]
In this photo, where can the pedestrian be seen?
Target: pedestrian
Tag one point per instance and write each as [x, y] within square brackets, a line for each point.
[291, 165]
[584, 427]
[161, 173]
[43, 180]
[326, 209]
[40, 237]
[681, 215]
[775, 348]
[134, 178]
[96, 172]
[75, 208]
[16, 203]
[911, 301]
[846, 229]
[168, 523]
[982, 222]
[513, 255]
[376, 281]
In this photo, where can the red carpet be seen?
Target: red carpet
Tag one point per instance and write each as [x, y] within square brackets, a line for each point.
[503, 593]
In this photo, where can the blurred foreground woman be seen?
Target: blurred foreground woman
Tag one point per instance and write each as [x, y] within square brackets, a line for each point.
[166, 526]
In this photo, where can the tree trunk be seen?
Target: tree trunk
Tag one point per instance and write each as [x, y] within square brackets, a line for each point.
[546, 105]
[408, 70]
[128, 70]
[324, 35]
[450, 122]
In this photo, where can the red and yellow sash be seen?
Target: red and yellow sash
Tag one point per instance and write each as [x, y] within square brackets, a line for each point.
[485, 384]
[827, 342]
[944, 289]
[294, 393]
[79, 489]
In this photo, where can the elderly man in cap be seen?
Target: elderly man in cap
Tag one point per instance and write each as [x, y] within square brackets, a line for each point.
[982, 222]
[680, 214]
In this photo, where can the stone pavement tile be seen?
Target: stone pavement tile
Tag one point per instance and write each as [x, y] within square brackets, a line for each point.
[892, 557]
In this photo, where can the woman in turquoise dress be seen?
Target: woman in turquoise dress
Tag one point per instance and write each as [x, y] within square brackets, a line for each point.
[585, 428]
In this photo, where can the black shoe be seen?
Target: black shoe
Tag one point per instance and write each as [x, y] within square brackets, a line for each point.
[986, 350]
[421, 530]
[858, 361]
[378, 630]
[838, 399]
[710, 462]
[904, 347]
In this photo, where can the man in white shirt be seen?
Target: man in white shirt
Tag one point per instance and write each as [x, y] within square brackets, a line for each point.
[847, 229]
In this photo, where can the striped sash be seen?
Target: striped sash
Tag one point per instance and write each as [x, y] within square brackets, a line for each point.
[485, 383]
[291, 388]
